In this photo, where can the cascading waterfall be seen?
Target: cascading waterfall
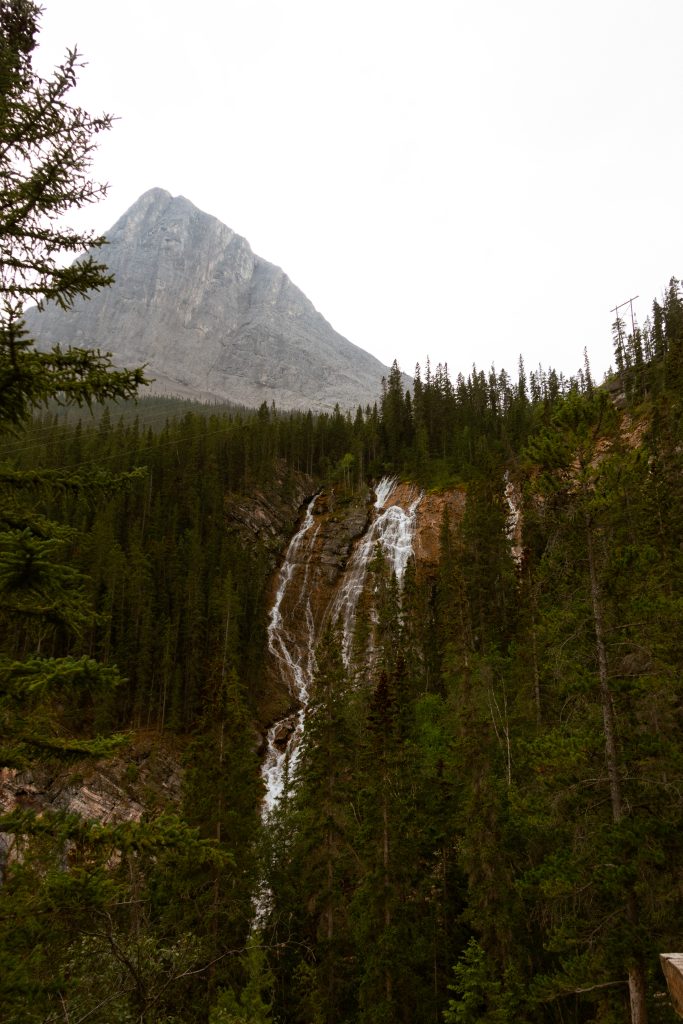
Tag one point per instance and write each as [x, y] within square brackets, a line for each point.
[394, 529]
[384, 489]
[294, 650]
[296, 661]
[513, 520]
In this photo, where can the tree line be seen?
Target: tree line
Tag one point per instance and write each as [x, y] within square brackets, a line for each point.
[485, 822]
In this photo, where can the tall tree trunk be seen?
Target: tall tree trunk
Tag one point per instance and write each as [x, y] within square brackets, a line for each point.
[609, 724]
[636, 992]
[534, 652]
[636, 972]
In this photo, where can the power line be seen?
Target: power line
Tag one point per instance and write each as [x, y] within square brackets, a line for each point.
[626, 302]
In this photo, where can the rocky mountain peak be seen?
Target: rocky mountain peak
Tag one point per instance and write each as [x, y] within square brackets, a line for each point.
[209, 318]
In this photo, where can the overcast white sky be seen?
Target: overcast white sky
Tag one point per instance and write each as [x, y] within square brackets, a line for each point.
[464, 180]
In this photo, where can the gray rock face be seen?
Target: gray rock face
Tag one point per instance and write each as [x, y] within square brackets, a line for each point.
[209, 318]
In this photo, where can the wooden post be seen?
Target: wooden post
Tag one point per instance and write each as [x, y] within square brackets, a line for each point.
[672, 965]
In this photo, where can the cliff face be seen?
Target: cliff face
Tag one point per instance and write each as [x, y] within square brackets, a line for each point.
[319, 576]
[326, 577]
[308, 578]
[429, 518]
[209, 318]
[144, 778]
[266, 515]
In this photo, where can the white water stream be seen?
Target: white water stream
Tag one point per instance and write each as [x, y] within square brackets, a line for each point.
[296, 663]
[294, 649]
[514, 518]
[393, 528]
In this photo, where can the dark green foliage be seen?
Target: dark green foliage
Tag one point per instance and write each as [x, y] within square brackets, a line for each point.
[45, 155]
[364, 836]
[84, 893]
[254, 1003]
[480, 998]
[172, 582]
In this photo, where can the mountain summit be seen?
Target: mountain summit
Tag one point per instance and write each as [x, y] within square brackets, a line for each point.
[209, 318]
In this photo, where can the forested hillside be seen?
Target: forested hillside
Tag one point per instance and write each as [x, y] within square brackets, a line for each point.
[485, 819]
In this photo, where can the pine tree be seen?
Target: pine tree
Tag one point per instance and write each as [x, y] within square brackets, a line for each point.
[45, 157]
[253, 1005]
[45, 154]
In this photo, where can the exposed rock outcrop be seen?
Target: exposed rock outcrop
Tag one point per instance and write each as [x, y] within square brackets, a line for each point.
[145, 777]
[209, 318]
[267, 513]
[430, 514]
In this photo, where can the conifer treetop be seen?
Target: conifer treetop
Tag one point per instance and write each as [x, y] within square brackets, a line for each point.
[46, 152]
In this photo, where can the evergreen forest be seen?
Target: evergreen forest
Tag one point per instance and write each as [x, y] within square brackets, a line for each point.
[485, 822]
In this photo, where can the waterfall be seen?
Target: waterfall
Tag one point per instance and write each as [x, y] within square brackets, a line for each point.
[294, 649]
[384, 488]
[514, 520]
[292, 633]
[393, 528]
[296, 660]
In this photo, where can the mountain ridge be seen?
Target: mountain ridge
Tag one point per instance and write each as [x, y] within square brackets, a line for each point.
[210, 318]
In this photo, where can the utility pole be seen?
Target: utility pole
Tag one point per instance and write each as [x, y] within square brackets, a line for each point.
[627, 302]
[623, 358]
